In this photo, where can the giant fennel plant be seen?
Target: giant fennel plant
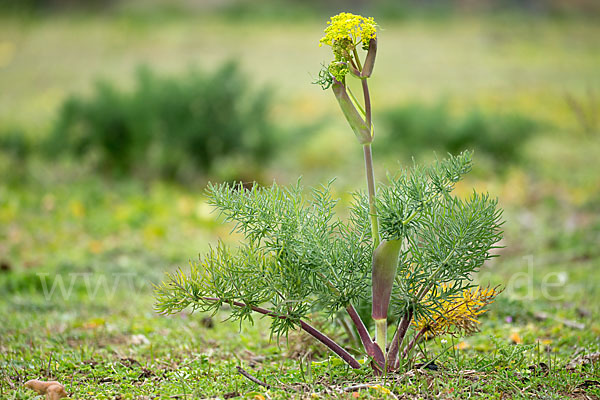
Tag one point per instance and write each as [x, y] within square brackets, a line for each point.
[409, 246]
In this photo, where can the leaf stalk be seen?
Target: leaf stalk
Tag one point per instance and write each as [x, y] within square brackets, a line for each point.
[314, 332]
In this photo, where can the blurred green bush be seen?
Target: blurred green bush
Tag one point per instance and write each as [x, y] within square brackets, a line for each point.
[54, 5]
[15, 149]
[417, 128]
[14, 144]
[169, 127]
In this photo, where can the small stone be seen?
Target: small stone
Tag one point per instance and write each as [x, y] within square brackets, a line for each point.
[138, 340]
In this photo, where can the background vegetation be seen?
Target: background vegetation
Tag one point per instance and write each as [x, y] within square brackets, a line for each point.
[516, 82]
[168, 127]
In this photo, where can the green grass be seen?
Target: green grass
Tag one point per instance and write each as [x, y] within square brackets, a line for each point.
[120, 237]
[62, 220]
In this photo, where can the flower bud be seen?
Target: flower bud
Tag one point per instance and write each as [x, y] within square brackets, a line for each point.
[370, 59]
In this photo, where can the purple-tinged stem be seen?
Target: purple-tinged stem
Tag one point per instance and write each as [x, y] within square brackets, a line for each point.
[367, 97]
[333, 346]
[363, 333]
[393, 353]
[370, 59]
[385, 264]
[371, 347]
[321, 337]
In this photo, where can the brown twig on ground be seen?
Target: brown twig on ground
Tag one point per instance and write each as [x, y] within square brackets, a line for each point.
[252, 378]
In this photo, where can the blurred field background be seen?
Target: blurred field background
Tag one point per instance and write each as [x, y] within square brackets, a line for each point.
[114, 115]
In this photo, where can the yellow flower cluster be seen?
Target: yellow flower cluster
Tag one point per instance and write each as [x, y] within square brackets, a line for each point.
[350, 30]
[344, 32]
[456, 314]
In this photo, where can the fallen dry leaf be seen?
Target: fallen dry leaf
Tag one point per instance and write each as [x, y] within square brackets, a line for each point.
[515, 338]
[584, 360]
[52, 389]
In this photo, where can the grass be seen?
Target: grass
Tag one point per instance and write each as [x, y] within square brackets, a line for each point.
[109, 242]
[112, 239]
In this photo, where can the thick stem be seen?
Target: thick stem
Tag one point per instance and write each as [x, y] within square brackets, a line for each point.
[355, 120]
[371, 190]
[363, 333]
[370, 347]
[381, 333]
[393, 353]
[321, 337]
[383, 273]
[333, 346]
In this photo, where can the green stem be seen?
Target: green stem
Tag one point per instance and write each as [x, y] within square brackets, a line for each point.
[355, 119]
[371, 190]
[380, 324]
[381, 333]
[357, 59]
[355, 101]
[367, 97]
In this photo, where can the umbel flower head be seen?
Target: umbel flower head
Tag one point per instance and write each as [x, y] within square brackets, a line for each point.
[456, 314]
[344, 33]
[348, 30]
